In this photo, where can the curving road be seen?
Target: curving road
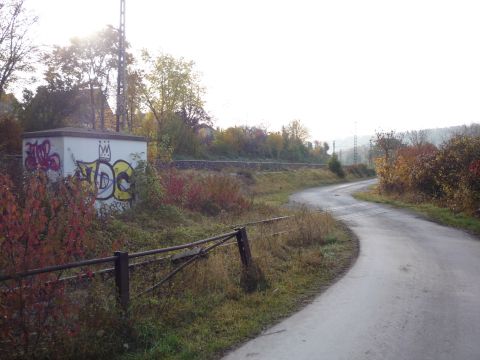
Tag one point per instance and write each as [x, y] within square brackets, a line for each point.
[413, 293]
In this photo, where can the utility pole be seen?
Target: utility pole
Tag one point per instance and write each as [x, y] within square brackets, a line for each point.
[121, 81]
[333, 147]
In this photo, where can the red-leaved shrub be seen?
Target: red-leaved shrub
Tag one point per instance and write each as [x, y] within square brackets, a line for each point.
[475, 169]
[224, 193]
[208, 194]
[46, 226]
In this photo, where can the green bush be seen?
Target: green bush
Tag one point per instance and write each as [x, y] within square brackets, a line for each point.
[148, 189]
[335, 166]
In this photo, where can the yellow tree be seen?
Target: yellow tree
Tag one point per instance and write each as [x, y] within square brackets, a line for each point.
[172, 87]
[171, 90]
[275, 144]
[387, 144]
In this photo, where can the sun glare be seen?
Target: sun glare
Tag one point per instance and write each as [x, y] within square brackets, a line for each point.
[59, 21]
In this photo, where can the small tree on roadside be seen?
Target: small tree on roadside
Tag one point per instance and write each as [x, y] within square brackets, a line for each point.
[335, 166]
[386, 145]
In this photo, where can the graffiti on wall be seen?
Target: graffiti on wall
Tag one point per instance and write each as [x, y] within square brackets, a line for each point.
[110, 180]
[38, 156]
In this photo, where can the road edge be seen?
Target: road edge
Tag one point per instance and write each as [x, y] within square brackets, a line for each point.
[314, 292]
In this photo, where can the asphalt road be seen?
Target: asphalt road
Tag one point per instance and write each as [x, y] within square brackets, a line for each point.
[413, 293]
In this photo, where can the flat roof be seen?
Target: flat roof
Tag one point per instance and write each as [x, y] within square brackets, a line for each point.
[82, 132]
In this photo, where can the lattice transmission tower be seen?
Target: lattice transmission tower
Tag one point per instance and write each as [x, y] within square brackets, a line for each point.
[121, 77]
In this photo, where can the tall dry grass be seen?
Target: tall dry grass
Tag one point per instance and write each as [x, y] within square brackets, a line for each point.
[273, 246]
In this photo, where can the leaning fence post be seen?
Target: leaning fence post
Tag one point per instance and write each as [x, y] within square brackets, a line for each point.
[122, 278]
[244, 246]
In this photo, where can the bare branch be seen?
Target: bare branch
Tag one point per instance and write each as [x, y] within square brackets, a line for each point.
[16, 49]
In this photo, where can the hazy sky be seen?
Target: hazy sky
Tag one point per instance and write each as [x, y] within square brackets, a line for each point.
[383, 64]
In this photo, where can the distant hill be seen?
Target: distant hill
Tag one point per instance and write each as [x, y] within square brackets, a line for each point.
[344, 146]
[440, 135]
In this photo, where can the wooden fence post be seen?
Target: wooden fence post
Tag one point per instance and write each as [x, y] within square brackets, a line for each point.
[122, 278]
[244, 246]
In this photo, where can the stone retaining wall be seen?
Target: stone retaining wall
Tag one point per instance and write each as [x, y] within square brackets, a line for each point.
[251, 165]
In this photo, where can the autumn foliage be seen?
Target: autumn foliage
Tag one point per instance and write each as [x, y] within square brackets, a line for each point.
[209, 194]
[47, 225]
[449, 175]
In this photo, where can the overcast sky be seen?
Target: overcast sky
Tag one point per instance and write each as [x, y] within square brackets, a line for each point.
[382, 64]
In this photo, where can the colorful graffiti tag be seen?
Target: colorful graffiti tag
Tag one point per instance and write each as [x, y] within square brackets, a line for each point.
[38, 157]
[109, 180]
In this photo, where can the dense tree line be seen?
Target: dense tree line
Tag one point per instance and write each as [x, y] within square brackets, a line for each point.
[255, 142]
[165, 98]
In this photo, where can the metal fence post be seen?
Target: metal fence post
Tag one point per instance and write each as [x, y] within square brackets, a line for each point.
[122, 278]
[244, 246]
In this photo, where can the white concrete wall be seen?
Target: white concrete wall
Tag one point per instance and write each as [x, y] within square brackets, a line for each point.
[106, 164]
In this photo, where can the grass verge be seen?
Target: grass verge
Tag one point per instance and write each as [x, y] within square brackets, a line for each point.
[215, 303]
[274, 187]
[206, 311]
[428, 210]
